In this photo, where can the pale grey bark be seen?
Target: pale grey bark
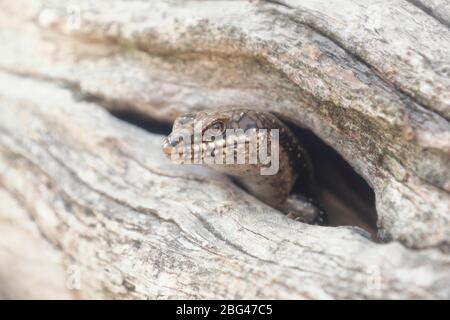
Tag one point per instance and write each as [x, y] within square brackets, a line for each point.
[438, 9]
[369, 78]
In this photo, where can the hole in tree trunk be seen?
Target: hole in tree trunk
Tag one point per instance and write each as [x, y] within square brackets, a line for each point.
[343, 194]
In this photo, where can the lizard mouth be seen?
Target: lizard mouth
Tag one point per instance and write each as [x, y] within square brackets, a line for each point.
[170, 146]
[182, 153]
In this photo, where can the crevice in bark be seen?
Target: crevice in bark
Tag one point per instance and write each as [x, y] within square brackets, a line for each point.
[408, 97]
[428, 11]
[280, 3]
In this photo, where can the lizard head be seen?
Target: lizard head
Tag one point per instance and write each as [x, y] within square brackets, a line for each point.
[206, 130]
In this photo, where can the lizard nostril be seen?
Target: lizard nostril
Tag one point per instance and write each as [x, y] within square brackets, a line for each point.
[167, 146]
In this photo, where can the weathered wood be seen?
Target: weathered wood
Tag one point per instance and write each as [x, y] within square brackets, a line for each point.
[438, 9]
[102, 195]
[369, 78]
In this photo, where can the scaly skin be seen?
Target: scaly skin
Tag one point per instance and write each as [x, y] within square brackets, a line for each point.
[295, 168]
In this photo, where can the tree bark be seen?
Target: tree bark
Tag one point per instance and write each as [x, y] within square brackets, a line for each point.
[90, 208]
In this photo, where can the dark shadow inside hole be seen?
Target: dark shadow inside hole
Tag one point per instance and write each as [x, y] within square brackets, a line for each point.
[343, 193]
[143, 121]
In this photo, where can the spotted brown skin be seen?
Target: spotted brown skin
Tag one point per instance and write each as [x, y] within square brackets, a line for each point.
[290, 190]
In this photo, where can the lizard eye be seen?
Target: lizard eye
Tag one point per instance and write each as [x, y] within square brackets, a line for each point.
[217, 125]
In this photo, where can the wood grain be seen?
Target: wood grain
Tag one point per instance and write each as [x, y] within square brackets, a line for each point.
[371, 79]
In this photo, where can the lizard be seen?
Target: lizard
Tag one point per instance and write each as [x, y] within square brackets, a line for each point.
[291, 189]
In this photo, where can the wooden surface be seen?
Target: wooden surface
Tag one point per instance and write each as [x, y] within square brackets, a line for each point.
[89, 197]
